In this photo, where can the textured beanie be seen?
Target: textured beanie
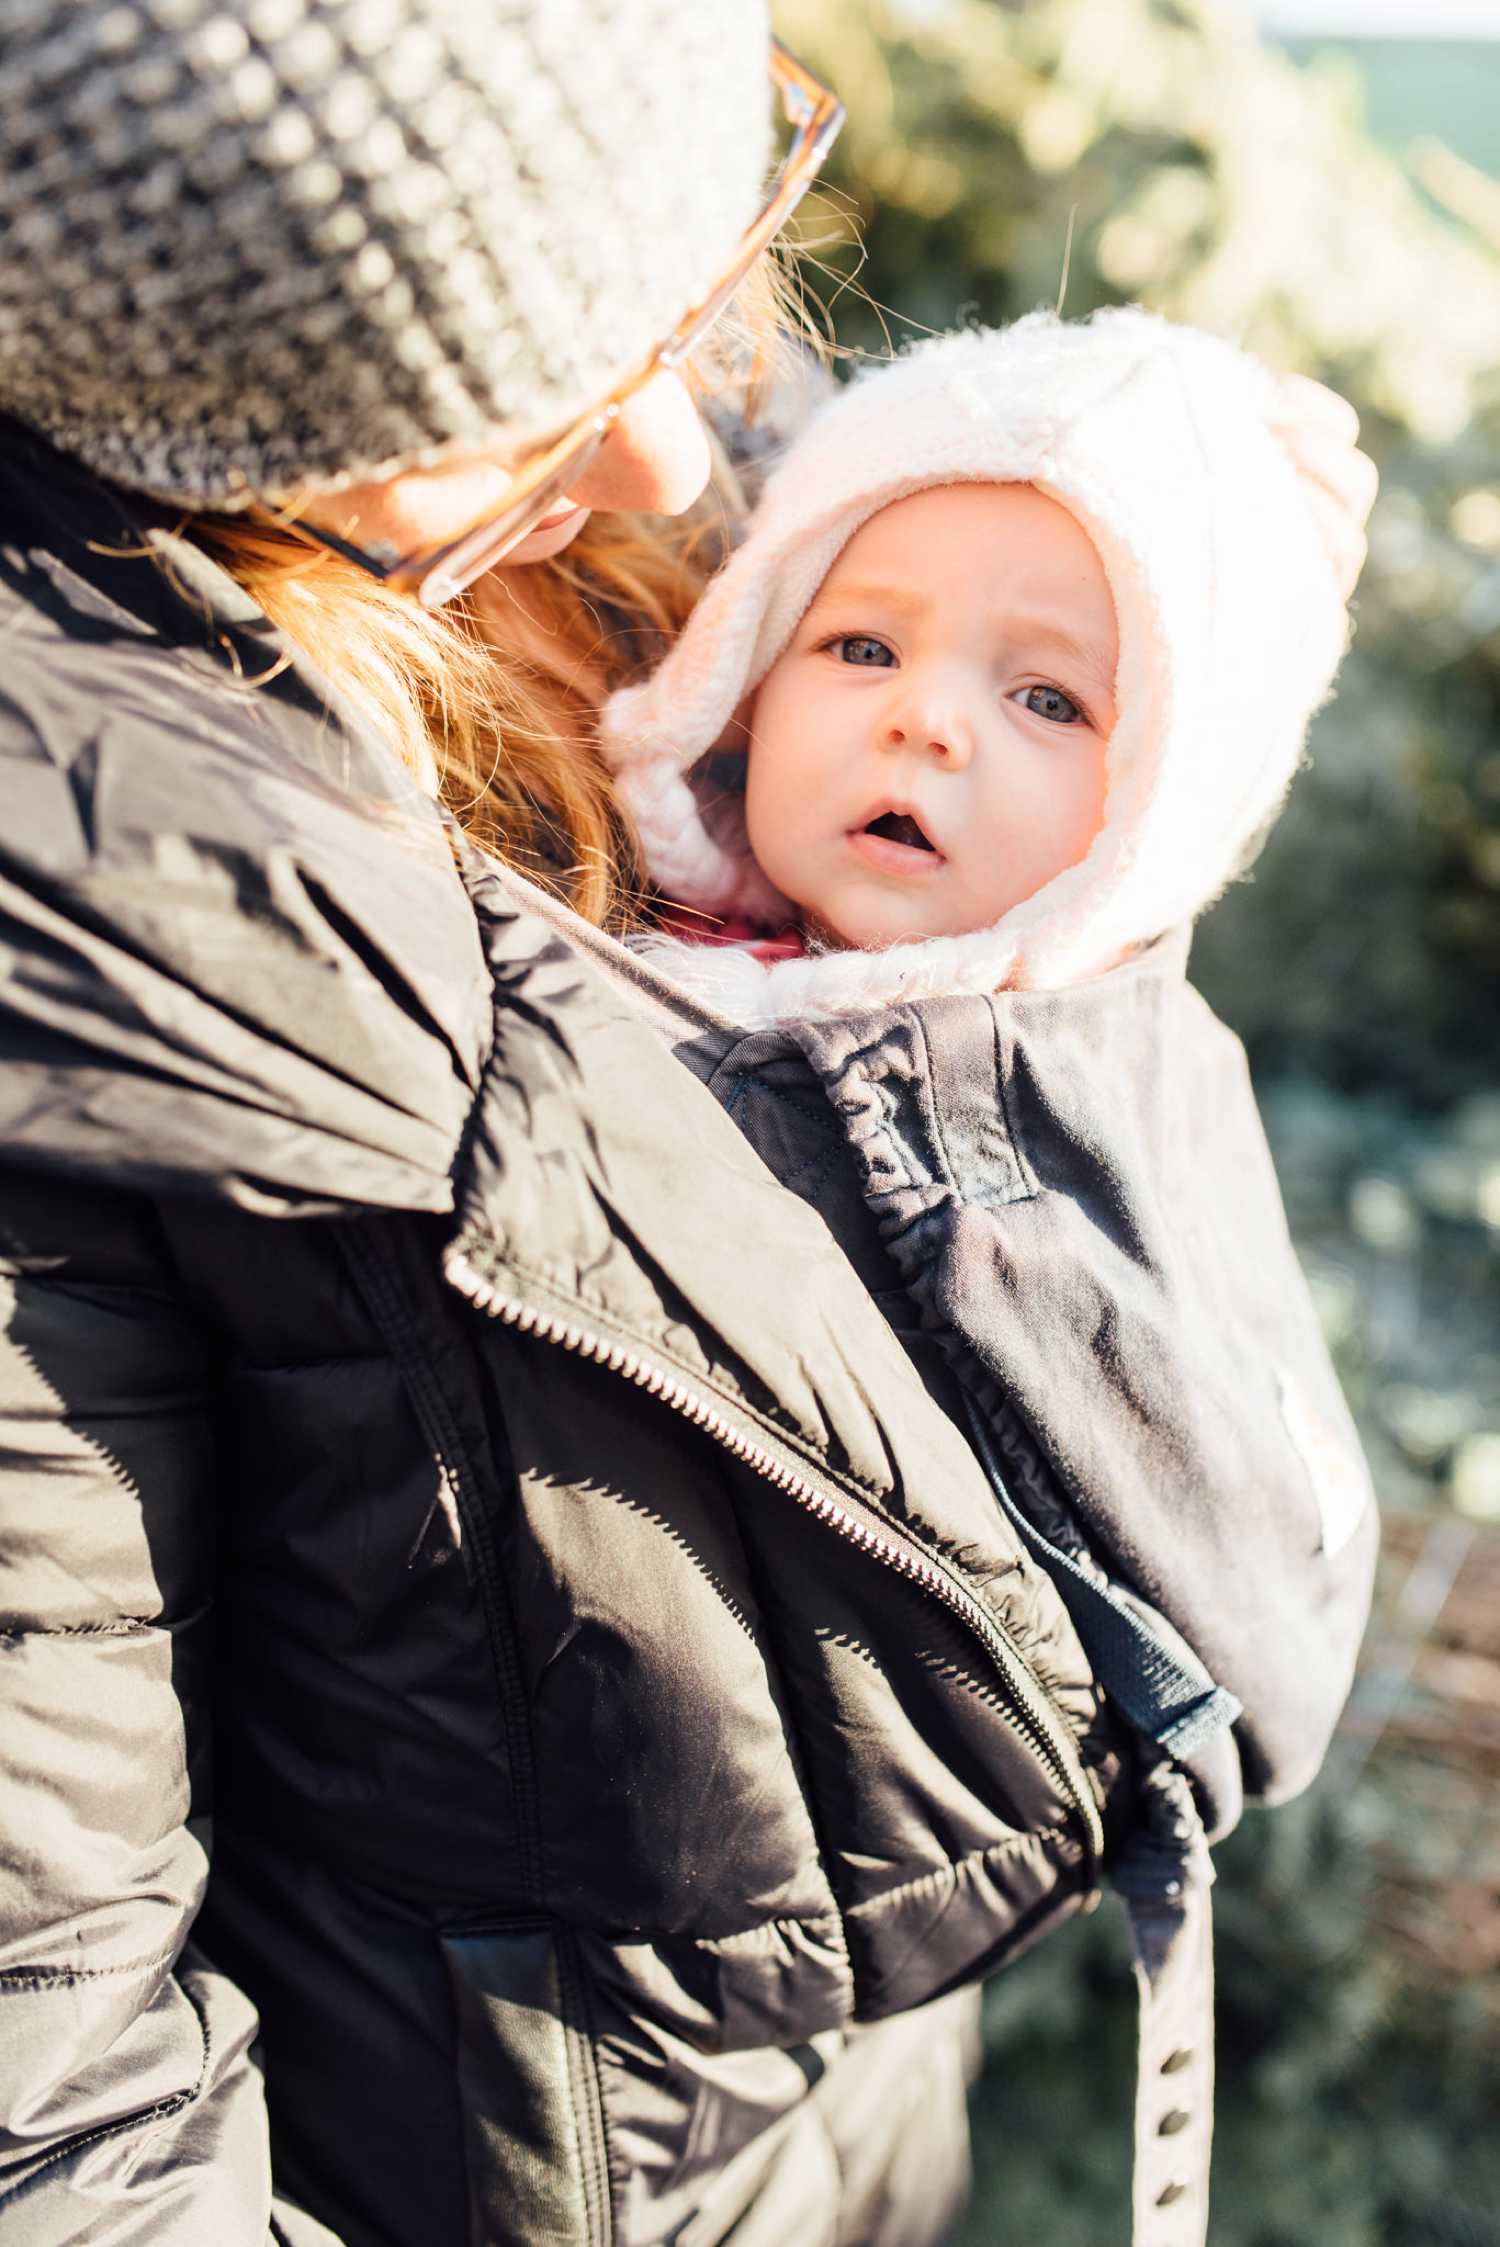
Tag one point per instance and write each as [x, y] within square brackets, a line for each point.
[245, 243]
[1159, 441]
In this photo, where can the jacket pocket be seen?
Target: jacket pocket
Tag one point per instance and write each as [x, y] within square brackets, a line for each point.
[532, 2121]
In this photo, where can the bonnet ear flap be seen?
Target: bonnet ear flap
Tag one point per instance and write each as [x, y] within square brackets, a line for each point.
[653, 734]
[685, 860]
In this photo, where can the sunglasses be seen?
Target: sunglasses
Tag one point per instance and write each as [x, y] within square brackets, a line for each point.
[438, 574]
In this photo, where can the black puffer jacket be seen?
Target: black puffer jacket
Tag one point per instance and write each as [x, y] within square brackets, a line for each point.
[622, 1682]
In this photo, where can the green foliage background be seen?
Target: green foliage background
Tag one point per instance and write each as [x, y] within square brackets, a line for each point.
[1227, 183]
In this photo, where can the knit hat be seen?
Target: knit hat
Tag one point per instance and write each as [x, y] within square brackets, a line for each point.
[247, 243]
[1231, 625]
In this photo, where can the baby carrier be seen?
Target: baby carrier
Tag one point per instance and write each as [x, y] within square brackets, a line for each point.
[1075, 1192]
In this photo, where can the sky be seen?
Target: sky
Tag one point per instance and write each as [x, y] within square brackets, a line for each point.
[1344, 19]
[1377, 19]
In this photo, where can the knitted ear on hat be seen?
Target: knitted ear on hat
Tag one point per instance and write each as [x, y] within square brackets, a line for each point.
[1159, 441]
[252, 243]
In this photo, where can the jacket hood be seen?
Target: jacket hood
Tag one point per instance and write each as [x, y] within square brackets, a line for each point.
[1158, 440]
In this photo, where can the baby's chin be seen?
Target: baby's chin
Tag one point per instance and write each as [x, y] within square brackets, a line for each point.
[876, 932]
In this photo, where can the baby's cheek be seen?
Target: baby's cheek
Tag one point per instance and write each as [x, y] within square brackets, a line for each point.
[1066, 818]
[772, 831]
[761, 827]
[1087, 820]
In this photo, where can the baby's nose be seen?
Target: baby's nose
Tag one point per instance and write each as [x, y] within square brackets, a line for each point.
[942, 733]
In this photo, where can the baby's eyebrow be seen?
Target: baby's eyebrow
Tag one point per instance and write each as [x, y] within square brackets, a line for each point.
[905, 600]
[1042, 632]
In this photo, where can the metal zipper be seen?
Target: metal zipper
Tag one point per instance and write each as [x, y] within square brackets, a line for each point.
[1042, 1726]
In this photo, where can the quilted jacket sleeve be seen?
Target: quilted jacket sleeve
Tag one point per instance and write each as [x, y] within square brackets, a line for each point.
[130, 2109]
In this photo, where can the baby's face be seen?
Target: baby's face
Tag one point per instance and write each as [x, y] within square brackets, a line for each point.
[929, 751]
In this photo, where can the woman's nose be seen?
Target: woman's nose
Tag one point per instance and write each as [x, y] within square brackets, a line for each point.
[656, 456]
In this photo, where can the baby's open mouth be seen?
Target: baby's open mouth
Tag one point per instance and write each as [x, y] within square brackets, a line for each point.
[898, 827]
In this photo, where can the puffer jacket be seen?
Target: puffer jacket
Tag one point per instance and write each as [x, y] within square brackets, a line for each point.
[483, 1592]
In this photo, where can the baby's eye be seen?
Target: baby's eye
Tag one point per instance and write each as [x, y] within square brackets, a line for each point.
[859, 647]
[1050, 702]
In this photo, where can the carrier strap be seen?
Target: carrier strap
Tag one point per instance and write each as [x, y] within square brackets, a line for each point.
[1166, 1882]
[1164, 1876]
[1150, 1673]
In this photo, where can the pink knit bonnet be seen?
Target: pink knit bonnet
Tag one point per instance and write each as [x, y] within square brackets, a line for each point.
[1159, 441]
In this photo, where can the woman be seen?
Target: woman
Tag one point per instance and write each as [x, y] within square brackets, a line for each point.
[486, 1595]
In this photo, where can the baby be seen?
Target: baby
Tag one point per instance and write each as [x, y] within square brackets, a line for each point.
[956, 669]
[1016, 662]
[1024, 639]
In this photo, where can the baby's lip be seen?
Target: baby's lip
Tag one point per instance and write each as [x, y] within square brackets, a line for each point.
[899, 823]
[895, 839]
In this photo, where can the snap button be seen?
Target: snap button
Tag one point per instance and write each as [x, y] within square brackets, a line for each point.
[1170, 2124]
